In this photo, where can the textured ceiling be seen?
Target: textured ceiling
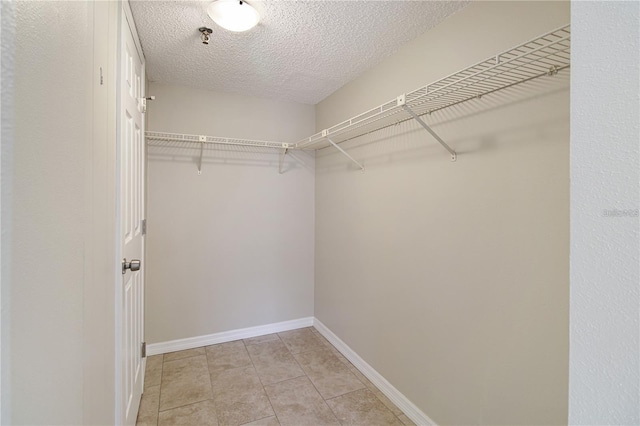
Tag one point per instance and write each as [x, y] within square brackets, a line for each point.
[300, 51]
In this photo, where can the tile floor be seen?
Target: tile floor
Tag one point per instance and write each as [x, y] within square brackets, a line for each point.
[292, 378]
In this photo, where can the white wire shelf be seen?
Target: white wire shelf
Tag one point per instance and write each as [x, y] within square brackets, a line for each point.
[198, 139]
[545, 55]
[202, 140]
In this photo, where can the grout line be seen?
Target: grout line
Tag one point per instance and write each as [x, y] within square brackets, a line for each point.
[257, 374]
[284, 380]
[160, 390]
[185, 357]
[398, 417]
[260, 379]
[182, 406]
[262, 418]
[206, 352]
[210, 384]
[191, 403]
[376, 396]
[283, 342]
[261, 343]
[186, 405]
[314, 386]
[269, 399]
[348, 364]
[289, 352]
[347, 393]
[256, 370]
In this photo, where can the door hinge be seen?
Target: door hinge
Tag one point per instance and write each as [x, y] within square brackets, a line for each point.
[143, 103]
[143, 225]
[143, 350]
[101, 77]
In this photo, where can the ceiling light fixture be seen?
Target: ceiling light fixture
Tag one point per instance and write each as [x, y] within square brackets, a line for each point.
[233, 15]
[206, 34]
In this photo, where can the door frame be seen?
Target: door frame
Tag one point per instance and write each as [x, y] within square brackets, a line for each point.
[102, 391]
[99, 394]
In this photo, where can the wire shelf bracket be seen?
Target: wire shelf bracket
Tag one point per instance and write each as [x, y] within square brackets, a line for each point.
[202, 140]
[281, 160]
[324, 133]
[402, 101]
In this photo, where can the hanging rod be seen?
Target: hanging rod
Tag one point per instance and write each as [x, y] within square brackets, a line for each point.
[542, 56]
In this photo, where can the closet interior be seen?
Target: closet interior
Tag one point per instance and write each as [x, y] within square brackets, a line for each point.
[333, 212]
[426, 237]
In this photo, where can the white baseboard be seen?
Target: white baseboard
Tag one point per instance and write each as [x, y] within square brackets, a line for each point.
[227, 336]
[401, 401]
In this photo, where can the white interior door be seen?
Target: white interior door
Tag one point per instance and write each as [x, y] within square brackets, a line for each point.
[131, 214]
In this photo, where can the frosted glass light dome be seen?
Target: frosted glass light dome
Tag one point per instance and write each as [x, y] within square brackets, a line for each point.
[233, 15]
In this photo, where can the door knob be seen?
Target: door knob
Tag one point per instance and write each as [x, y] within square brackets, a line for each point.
[134, 265]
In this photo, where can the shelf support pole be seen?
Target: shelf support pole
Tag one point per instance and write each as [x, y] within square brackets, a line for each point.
[345, 153]
[202, 140]
[454, 156]
[281, 162]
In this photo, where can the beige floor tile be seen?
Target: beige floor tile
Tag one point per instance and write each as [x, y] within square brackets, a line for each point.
[198, 414]
[362, 408]
[239, 396]
[386, 401]
[261, 339]
[367, 383]
[148, 411]
[297, 403]
[321, 337]
[328, 374]
[225, 356]
[153, 371]
[172, 356]
[338, 355]
[274, 362]
[267, 421]
[406, 421]
[185, 381]
[247, 381]
[331, 348]
[301, 340]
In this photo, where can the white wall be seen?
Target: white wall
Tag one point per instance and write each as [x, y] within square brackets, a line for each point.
[43, 213]
[233, 247]
[58, 204]
[605, 255]
[452, 279]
